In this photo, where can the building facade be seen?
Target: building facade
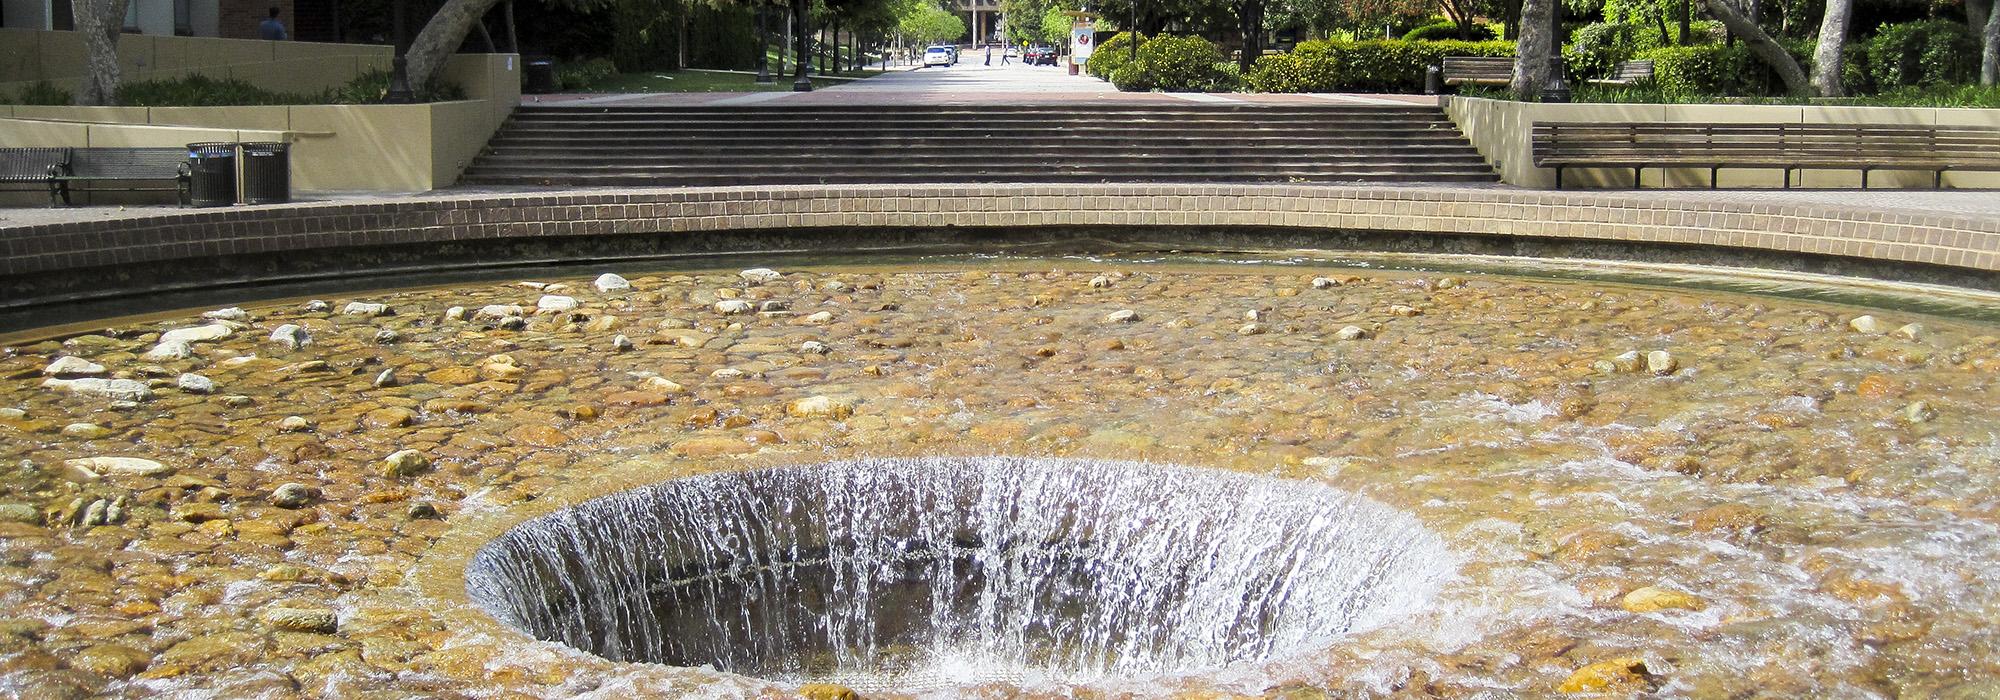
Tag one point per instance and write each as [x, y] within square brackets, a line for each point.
[306, 20]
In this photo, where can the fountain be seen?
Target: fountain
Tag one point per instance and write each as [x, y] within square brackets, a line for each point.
[926, 573]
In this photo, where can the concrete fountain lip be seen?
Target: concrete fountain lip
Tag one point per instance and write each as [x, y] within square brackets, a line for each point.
[1154, 570]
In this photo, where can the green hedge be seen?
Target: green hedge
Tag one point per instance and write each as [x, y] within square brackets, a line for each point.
[1171, 63]
[1110, 55]
[1447, 30]
[1928, 53]
[1362, 66]
[1709, 69]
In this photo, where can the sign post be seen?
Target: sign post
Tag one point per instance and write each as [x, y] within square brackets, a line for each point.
[1082, 39]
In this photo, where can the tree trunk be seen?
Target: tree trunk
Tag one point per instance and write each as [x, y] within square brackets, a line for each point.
[485, 37]
[1826, 56]
[1532, 51]
[1976, 12]
[681, 35]
[440, 37]
[1991, 53]
[1763, 45]
[1686, 8]
[785, 45]
[1250, 17]
[1513, 32]
[513, 37]
[99, 21]
[1661, 19]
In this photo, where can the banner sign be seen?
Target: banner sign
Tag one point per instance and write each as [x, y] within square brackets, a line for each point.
[1081, 41]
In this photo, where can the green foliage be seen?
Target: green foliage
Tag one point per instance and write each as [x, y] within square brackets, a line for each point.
[1171, 63]
[1683, 72]
[1362, 66]
[1055, 27]
[1447, 30]
[1928, 53]
[40, 92]
[925, 23]
[1110, 55]
[198, 91]
[1596, 48]
[371, 86]
[579, 76]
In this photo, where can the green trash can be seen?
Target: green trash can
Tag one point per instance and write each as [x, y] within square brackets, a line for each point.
[212, 174]
[267, 173]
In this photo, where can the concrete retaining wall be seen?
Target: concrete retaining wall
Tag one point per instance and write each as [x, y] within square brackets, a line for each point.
[29, 55]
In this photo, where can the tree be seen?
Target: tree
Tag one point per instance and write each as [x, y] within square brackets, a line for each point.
[99, 22]
[441, 37]
[1832, 39]
[1024, 19]
[925, 23]
[1249, 24]
[1987, 26]
[1536, 45]
[1774, 54]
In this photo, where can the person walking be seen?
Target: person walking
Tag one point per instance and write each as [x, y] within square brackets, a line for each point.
[1003, 56]
[271, 29]
[989, 56]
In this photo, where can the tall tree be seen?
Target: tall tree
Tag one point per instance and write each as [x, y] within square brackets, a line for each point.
[1832, 39]
[1533, 49]
[99, 22]
[440, 37]
[1989, 54]
[1774, 54]
[1250, 24]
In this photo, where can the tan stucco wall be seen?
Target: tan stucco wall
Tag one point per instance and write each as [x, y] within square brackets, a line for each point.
[28, 55]
[1501, 130]
[335, 148]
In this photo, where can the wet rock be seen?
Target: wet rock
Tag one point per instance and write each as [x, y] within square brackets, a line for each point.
[1867, 324]
[732, 307]
[456, 313]
[358, 308]
[1917, 412]
[1351, 333]
[773, 306]
[452, 376]
[115, 389]
[405, 463]
[1910, 331]
[1654, 599]
[1122, 316]
[1661, 363]
[389, 417]
[119, 466]
[421, 511]
[291, 337]
[1251, 329]
[513, 323]
[20, 513]
[385, 379]
[1324, 283]
[496, 312]
[317, 620]
[814, 347]
[1100, 282]
[608, 282]
[620, 343]
[195, 384]
[1623, 674]
[820, 317]
[1404, 310]
[198, 334]
[820, 407]
[112, 660]
[1628, 362]
[662, 385]
[72, 366]
[232, 313]
[827, 691]
[169, 350]
[294, 424]
[760, 275]
[387, 337]
[86, 431]
[316, 306]
[554, 303]
[291, 495]
[712, 447]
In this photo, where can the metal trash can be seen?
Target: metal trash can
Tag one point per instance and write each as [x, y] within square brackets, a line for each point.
[267, 173]
[212, 174]
[540, 72]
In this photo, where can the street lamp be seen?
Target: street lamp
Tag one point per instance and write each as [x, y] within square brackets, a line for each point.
[399, 71]
[763, 44]
[799, 18]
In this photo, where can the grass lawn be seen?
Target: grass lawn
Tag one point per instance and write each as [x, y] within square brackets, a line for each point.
[700, 81]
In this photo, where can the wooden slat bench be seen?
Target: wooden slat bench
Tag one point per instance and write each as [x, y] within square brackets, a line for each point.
[125, 169]
[1477, 70]
[33, 165]
[1628, 73]
[1787, 147]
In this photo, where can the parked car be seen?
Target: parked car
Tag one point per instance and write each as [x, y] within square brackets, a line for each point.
[1014, 53]
[1041, 56]
[938, 56]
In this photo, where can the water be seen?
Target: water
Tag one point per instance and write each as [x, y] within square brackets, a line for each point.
[926, 573]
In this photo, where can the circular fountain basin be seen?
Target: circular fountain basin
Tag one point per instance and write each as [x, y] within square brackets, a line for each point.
[924, 573]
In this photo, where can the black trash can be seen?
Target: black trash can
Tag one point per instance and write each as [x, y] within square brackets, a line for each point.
[267, 173]
[213, 174]
[540, 72]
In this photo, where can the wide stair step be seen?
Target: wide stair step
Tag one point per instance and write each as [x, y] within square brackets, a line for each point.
[555, 146]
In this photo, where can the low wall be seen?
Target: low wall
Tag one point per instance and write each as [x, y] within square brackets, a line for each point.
[335, 148]
[1501, 130]
[61, 263]
[29, 55]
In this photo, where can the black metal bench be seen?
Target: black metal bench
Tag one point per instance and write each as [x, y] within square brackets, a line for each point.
[124, 170]
[1477, 70]
[33, 165]
[1628, 73]
[1787, 147]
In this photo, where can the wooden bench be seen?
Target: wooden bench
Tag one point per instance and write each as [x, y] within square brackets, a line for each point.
[1787, 147]
[125, 170]
[1628, 73]
[1477, 70]
[33, 165]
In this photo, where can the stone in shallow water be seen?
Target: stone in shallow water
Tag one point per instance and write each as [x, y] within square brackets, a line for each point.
[197, 334]
[291, 337]
[1661, 363]
[120, 466]
[732, 307]
[1867, 324]
[301, 618]
[405, 463]
[1654, 599]
[555, 303]
[608, 282]
[1351, 333]
[1122, 316]
[760, 275]
[115, 389]
[1624, 674]
[820, 407]
[195, 384]
[361, 308]
[169, 350]
[72, 366]
[291, 495]
[113, 660]
[232, 313]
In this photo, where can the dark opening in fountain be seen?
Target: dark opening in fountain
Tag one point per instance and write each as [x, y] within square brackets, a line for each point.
[935, 572]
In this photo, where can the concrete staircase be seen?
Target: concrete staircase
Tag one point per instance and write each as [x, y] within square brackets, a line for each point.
[705, 146]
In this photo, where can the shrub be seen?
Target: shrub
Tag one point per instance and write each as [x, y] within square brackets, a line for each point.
[1362, 66]
[1596, 48]
[372, 85]
[1927, 53]
[1682, 72]
[1447, 30]
[1175, 64]
[1110, 55]
[198, 90]
[40, 92]
[581, 75]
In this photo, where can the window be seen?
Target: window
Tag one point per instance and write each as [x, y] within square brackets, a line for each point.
[183, 17]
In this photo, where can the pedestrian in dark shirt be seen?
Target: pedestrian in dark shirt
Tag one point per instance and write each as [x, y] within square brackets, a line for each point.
[989, 55]
[271, 29]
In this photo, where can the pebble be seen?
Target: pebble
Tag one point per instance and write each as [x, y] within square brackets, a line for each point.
[820, 407]
[387, 336]
[1866, 324]
[555, 303]
[195, 384]
[232, 313]
[1351, 333]
[820, 317]
[111, 660]
[760, 275]
[1100, 282]
[72, 366]
[316, 620]
[1910, 331]
[1918, 412]
[827, 691]
[316, 306]
[405, 463]
[197, 334]
[291, 495]
[456, 313]
[169, 350]
[608, 282]
[662, 385]
[495, 312]
[1620, 674]
[1661, 363]
[116, 389]
[386, 379]
[291, 337]
[1629, 361]
[1405, 310]
[1251, 329]
[421, 511]
[119, 466]
[294, 424]
[621, 343]
[86, 431]
[732, 307]
[359, 308]
[1325, 283]
[1122, 316]
[813, 347]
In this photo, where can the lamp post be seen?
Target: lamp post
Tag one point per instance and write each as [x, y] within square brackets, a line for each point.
[763, 45]
[799, 16]
[399, 73]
